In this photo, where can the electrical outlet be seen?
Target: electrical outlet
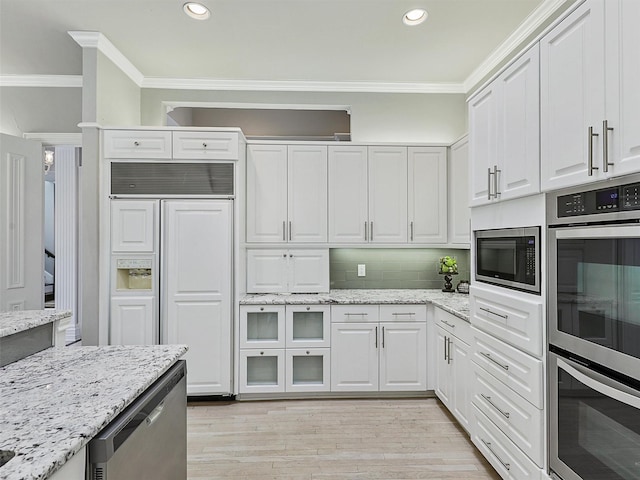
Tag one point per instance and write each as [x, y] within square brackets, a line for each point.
[362, 270]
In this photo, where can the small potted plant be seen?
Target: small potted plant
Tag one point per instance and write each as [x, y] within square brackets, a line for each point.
[448, 266]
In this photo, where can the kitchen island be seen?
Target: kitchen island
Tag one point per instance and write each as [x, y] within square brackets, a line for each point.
[55, 401]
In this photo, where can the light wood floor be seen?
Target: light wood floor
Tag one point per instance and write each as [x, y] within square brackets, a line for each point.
[330, 439]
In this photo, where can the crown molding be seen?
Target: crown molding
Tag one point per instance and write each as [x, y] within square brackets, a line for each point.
[526, 28]
[55, 81]
[102, 43]
[300, 86]
[74, 139]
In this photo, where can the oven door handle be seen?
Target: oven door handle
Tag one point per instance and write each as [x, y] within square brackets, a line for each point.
[627, 231]
[600, 383]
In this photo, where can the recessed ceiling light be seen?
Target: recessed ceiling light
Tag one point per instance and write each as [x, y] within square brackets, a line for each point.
[196, 10]
[415, 17]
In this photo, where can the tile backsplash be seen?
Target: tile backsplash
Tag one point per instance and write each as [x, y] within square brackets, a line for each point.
[394, 268]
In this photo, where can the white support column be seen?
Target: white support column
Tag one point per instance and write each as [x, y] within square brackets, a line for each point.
[66, 236]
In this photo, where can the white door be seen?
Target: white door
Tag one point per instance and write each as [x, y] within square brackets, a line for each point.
[483, 143]
[21, 224]
[572, 93]
[459, 214]
[427, 205]
[354, 357]
[462, 377]
[266, 193]
[307, 196]
[197, 258]
[133, 225]
[133, 321]
[308, 271]
[519, 127]
[443, 370]
[623, 94]
[388, 194]
[267, 271]
[348, 194]
[403, 356]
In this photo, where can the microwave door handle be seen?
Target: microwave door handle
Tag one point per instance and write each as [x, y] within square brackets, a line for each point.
[630, 231]
[600, 383]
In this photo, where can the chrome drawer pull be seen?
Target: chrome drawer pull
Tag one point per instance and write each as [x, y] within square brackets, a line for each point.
[489, 357]
[403, 313]
[448, 324]
[488, 445]
[494, 313]
[349, 314]
[488, 399]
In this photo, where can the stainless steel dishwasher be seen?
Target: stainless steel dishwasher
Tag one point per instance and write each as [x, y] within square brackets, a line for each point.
[148, 440]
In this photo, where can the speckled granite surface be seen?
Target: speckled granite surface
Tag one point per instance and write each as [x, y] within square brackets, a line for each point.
[454, 303]
[55, 401]
[18, 321]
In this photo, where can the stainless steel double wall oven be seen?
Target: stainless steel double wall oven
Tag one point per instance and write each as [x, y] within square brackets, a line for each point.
[594, 331]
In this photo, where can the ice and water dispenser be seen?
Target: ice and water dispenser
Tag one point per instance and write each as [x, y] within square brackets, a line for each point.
[134, 274]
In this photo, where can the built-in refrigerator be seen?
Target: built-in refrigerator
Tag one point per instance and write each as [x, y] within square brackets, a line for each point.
[172, 281]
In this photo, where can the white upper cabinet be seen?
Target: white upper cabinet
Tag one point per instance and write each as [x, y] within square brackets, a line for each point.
[504, 134]
[459, 214]
[348, 194]
[287, 193]
[292, 271]
[427, 200]
[267, 193]
[307, 198]
[133, 223]
[590, 103]
[388, 194]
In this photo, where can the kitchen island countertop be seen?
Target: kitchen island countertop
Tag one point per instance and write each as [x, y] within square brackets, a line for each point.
[21, 320]
[55, 401]
[454, 303]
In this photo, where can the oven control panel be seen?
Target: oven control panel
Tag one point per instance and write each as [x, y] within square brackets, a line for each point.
[605, 200]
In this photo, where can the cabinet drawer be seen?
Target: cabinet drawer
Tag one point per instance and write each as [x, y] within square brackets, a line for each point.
[354, 313]
[205, 145]
[516, 369]
[517, 418]
[508, 460]
[509, 317]
[403, 313]
[137, 144]
[453, 325]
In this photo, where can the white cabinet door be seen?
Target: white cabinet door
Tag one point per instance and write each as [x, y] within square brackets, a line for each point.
[135, 144]
[133, 225]
[262, 326]
[262, 371]
[459, 214]
[483, 155]
[267, 271]
[348, 194]
[387, 194]
[623, 95]
[354, 357]
[403, 356]
[460, 366]
[308, 271]
[572, 96]
[267, 193]
[519, 128]
[443, 371]
[133, 321]
[206, 145]
[307, 370]
[427, 204]
[308, 326]
[307, 196]
[197, 252]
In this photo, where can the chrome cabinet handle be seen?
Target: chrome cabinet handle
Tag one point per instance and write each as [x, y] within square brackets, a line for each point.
[445, 347]
[204, 145]
[382, 337]
[449, 341]
[488, 445]
[495, 180]
[489, 194]
[448, 324]
[376, 337]
[494, 313]
[605, 146]
[412, 231]
[136, 143]
[366, 231]
[403, 313]
[284, 230]
[289, 230]
[489, 357]
[488, 399]
[349, 314]
[590, 166]
[371, 236]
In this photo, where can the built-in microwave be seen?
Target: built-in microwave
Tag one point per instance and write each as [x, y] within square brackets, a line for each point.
[509, 257]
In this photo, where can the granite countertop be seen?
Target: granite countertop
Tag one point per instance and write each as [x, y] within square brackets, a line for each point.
[454, 303]
[21, 320]
[55, 401]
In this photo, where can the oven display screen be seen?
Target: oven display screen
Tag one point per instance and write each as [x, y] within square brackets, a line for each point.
[607, 199]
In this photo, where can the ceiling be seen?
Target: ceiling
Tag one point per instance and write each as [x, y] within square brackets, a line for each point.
[264, 40]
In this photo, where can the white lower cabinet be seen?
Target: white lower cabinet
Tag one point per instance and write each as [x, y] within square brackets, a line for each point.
[354, 357]
[403, 356]
[307, 370]
[133, 321]
[262, 370]
[452, 364]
